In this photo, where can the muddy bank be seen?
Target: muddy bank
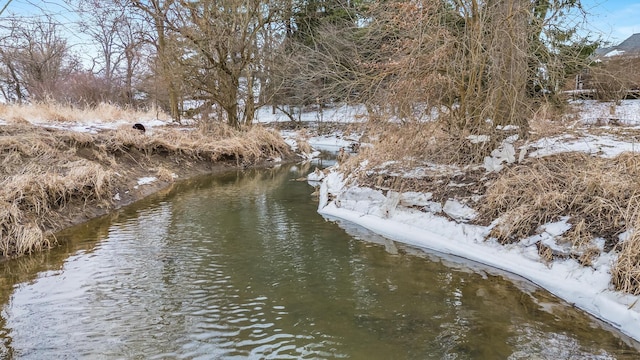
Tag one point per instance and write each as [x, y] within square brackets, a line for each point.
[53, 178]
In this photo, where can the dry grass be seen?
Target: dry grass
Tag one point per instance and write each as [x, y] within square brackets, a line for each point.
[416, 143]
[165, 174]
[550, 121]
[244, 146]
[46, 171]
[625, 273]
[51, 112]
[34, 196]
[596, 194]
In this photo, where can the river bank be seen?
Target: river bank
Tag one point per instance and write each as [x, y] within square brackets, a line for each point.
[57, 176]
[558, 209]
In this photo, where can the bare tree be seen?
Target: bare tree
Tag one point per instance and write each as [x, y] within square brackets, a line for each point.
[221, 59]
[13, 87]
[157, 12]
[37, 59]
[118, 36]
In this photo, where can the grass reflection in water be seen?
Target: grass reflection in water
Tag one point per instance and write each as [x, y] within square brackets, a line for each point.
[241, 265]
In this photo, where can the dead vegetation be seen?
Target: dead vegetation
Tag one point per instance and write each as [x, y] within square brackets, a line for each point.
[417, 143]
[598, 197]
[54, 112]
[625, 273]
[51, 176]
[596, 194]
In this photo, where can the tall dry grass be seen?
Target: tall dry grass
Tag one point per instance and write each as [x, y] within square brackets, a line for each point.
[224, 143]
[597, 195]
[417, 143]
[54, 112]
[44, 171]
[31, 201]
[625, 273]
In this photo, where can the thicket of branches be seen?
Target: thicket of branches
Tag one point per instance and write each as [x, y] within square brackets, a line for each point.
[475, 64]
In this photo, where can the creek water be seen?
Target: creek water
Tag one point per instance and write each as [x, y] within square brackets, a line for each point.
[241, 266]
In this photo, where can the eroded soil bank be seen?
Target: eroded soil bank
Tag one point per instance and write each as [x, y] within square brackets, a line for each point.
[53, 178]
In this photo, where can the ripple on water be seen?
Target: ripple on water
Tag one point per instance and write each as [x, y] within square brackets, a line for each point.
[249, 270]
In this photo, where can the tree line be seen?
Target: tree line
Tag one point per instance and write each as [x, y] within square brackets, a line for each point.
[476, 62]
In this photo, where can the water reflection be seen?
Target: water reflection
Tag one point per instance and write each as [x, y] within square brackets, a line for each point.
[241, 266]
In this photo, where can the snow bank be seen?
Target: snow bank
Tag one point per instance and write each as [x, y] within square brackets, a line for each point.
[341, 113]
[407, 218]
[625, 112]
[145, 181]
[94, 126]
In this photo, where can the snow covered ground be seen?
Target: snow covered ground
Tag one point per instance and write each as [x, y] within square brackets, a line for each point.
[336, 113]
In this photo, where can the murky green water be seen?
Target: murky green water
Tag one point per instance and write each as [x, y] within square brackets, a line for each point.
[243, 267]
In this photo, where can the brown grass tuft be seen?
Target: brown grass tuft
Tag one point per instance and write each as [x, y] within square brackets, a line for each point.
[303, 146]
[165, 174]
[596, 194]
[625, 273]
[33, 197]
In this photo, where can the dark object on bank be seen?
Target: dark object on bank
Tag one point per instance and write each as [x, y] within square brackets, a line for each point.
[139, 126]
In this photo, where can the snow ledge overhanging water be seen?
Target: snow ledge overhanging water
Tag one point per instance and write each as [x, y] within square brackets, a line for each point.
[588, 288]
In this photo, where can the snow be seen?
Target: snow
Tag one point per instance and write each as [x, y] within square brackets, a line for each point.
[602, 145]
[329, 143]
[316, 176]
[614, 53]
[458, 211]
[626, 112]
[145, 181]
[413, 198]
[477, 139]
[340, 113]
[585, 287]
[505, 153]
[414, 219]
[94, 127]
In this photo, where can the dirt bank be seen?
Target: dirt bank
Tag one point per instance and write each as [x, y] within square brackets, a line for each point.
[54, 178]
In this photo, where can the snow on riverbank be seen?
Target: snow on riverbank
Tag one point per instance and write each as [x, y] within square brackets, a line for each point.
[396, 216]
[586, 288]
[412, 219]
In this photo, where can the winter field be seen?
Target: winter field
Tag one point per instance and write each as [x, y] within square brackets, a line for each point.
[447, 222]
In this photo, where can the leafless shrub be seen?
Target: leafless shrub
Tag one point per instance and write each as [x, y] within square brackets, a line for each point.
[613, 78]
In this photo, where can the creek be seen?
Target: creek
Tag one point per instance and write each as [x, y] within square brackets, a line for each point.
[241, 265]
